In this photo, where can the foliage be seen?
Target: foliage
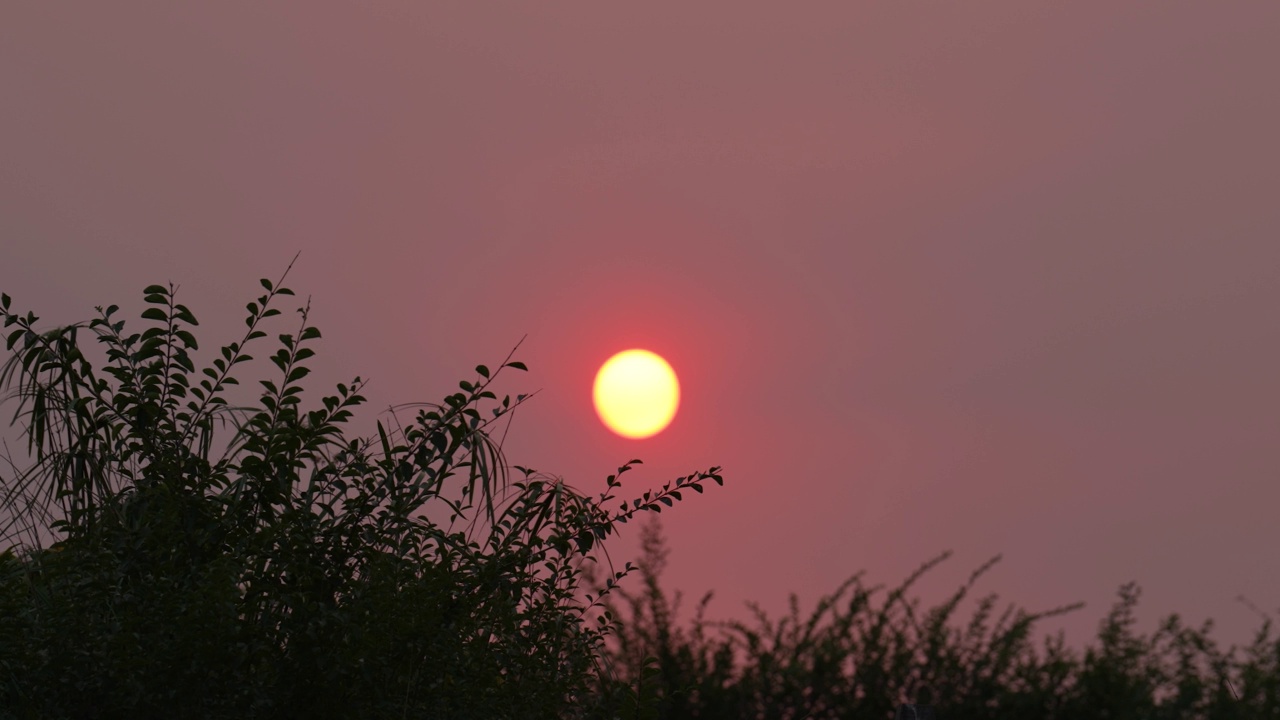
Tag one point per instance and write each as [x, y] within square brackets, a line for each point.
[856, 658]
[173, 555]
[170, 554]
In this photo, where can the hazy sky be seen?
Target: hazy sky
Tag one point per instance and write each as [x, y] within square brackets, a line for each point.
[995, 277]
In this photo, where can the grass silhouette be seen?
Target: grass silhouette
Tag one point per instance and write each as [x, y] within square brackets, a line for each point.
[860, 653]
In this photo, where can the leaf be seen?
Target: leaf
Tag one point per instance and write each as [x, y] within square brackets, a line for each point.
[150, 289]
[517, 365]
[386, 445]
[150, 347]
[184, 314]
[155, 314]
[266, 284]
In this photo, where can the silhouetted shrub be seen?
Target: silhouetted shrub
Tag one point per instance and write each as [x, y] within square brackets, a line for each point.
[854, 657]
[172, 555]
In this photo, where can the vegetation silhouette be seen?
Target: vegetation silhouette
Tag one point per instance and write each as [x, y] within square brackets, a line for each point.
[854, 657]
[169, 554]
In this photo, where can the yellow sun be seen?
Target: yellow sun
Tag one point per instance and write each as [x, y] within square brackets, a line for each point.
[636, 394]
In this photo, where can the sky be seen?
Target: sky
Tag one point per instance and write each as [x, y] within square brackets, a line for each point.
[994, 278]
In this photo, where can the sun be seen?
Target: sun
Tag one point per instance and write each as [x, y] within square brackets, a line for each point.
[636, 394]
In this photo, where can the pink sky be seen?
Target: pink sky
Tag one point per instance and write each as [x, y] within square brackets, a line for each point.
[994, 277]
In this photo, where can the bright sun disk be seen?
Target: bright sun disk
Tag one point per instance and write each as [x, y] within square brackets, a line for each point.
[636, 394]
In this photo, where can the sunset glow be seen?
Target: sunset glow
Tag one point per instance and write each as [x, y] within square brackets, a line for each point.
[636, 394]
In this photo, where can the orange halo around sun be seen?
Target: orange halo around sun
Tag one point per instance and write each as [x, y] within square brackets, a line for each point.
[636, 394]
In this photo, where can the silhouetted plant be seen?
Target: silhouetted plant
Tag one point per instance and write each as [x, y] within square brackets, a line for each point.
[856, 658]
[173, 555]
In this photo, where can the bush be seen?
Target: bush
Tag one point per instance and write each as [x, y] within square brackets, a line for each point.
[173, 555]
[854, 657]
